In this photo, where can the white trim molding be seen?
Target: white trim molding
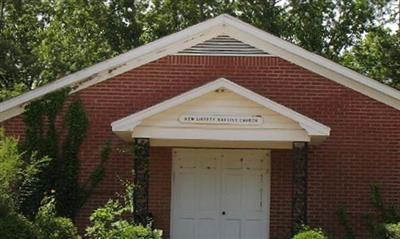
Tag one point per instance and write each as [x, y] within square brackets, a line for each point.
[309, 130]
[221, 25]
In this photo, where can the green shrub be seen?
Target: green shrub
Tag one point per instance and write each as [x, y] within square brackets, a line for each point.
[393, 231]
[10, 163]
[19, 177]
[31, 190]
[14, 225]
[51, 226]
[108, 222]
[18, 182]
[310, 234]
[45, 226]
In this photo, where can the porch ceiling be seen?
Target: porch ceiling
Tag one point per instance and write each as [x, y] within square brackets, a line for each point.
[220, 113]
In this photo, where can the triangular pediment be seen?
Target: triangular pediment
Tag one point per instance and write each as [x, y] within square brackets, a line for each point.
[220, 110]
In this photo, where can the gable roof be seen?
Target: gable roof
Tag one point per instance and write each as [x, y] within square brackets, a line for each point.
[189, 37]
[312, 127]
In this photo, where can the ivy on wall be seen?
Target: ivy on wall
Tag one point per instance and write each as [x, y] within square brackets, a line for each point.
[41, 139]
[58, 136]
[376, 222]
[68, 191]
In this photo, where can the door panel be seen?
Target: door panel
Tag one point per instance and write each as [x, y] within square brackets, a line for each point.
[207, 199]
[231, 228]
[185, 230]
[221, 194]
[242, 194]
[254, 229]
[185, 194]
[252, 193]
[207, 228]
[232, 193]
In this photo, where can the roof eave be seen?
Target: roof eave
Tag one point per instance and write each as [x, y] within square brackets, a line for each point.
[173, 43]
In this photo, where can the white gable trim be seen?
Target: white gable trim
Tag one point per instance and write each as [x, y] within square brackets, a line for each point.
[129, 123]
[223, 24]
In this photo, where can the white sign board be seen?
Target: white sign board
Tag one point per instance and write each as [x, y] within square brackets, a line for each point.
[220, 119]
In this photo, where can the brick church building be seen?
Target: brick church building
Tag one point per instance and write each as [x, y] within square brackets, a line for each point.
[246, 134]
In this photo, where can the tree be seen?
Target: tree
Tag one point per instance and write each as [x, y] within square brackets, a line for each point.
[329, 27]
[41, 41]
[167, 16]
[19, 28]
[377, 56]
[72, 40]
[269, 15]
[123, 24]
[10, 163]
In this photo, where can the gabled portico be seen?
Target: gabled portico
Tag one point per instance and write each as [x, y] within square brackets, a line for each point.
[221, 115]
[220, 111]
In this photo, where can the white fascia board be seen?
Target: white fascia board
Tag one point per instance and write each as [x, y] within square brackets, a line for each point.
[312, 127]
[311, 61]
[277, 135]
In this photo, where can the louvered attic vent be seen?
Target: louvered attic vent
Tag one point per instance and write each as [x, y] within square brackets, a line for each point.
[222, 45]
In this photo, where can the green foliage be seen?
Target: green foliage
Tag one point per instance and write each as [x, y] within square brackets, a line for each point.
[10, 163]
[381, 225]
[40, 120]
[14, 225]
[123, 24]
[108, 222]
[43, 137]
[393, 231]
[32, 189]
[19, 178]
[43, 40]
[388, 214]
[53, 227]
[328, 27]
[68, 191]
[19, 185]
[97, 175]
[19, 27]
[345, 222]
[41, 140]
[308, 233]
[45, 225]
[378, 56]
[376, 223]
[73, 38]
[17, 89]
[271, 16]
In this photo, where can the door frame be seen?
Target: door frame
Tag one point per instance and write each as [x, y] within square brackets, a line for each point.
[268, 184]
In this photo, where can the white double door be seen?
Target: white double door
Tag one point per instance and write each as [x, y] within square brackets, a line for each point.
[220, 194]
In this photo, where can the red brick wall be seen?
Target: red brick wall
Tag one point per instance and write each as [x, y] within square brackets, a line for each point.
[160, 187]
[281, 194]
[363, 148]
